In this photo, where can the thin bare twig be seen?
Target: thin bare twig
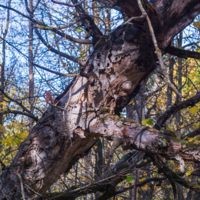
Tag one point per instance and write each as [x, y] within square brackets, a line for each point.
[44, 68]
[66, 4]
[158, 51]
[21, 183]
[134, 18]
[34, 191]
[57, 27]
[3, 193]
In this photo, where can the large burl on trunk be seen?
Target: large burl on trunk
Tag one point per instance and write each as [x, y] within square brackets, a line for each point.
[115, 68]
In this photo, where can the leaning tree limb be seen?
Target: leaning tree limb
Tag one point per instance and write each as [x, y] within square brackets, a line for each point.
[175, 108]
[89, 24]
[180, 15]
[181, 53]
[191, 134]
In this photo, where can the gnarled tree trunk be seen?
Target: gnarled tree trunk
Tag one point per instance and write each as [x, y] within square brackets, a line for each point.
[114, 72]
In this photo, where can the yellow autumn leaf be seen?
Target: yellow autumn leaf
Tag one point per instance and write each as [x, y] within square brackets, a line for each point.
[55, 188]
[95, 147]
[24, 135]
[2, 128]
[196, 125]
[194, 109]
[197, 24]
[144, 122]
[51, 34]
[188, 173]
[142, 179]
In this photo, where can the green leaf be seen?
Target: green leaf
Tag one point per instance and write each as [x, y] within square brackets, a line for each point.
[150, 122]
[169, 127]
[129, 178]
[79, 30]
[122, 157]
[147, 121]
[194, 110]
[45, 27]
[155, 174]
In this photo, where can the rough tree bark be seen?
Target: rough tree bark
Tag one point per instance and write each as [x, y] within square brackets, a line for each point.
[115, 70]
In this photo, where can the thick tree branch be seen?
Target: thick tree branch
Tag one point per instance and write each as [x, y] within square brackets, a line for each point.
[89, 24]
[192, 134]
[16, 112]
[130, 8]
[174, 17]
[109, 5]
[143, 138]
[174, 108]
[181, 53]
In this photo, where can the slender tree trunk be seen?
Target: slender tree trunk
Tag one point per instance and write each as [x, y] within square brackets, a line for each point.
[3, 64]
[190, 195]
[88, 172]
[98, 162]
[178, 119]
[195, 195]
[30, 61]
[171, 70]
